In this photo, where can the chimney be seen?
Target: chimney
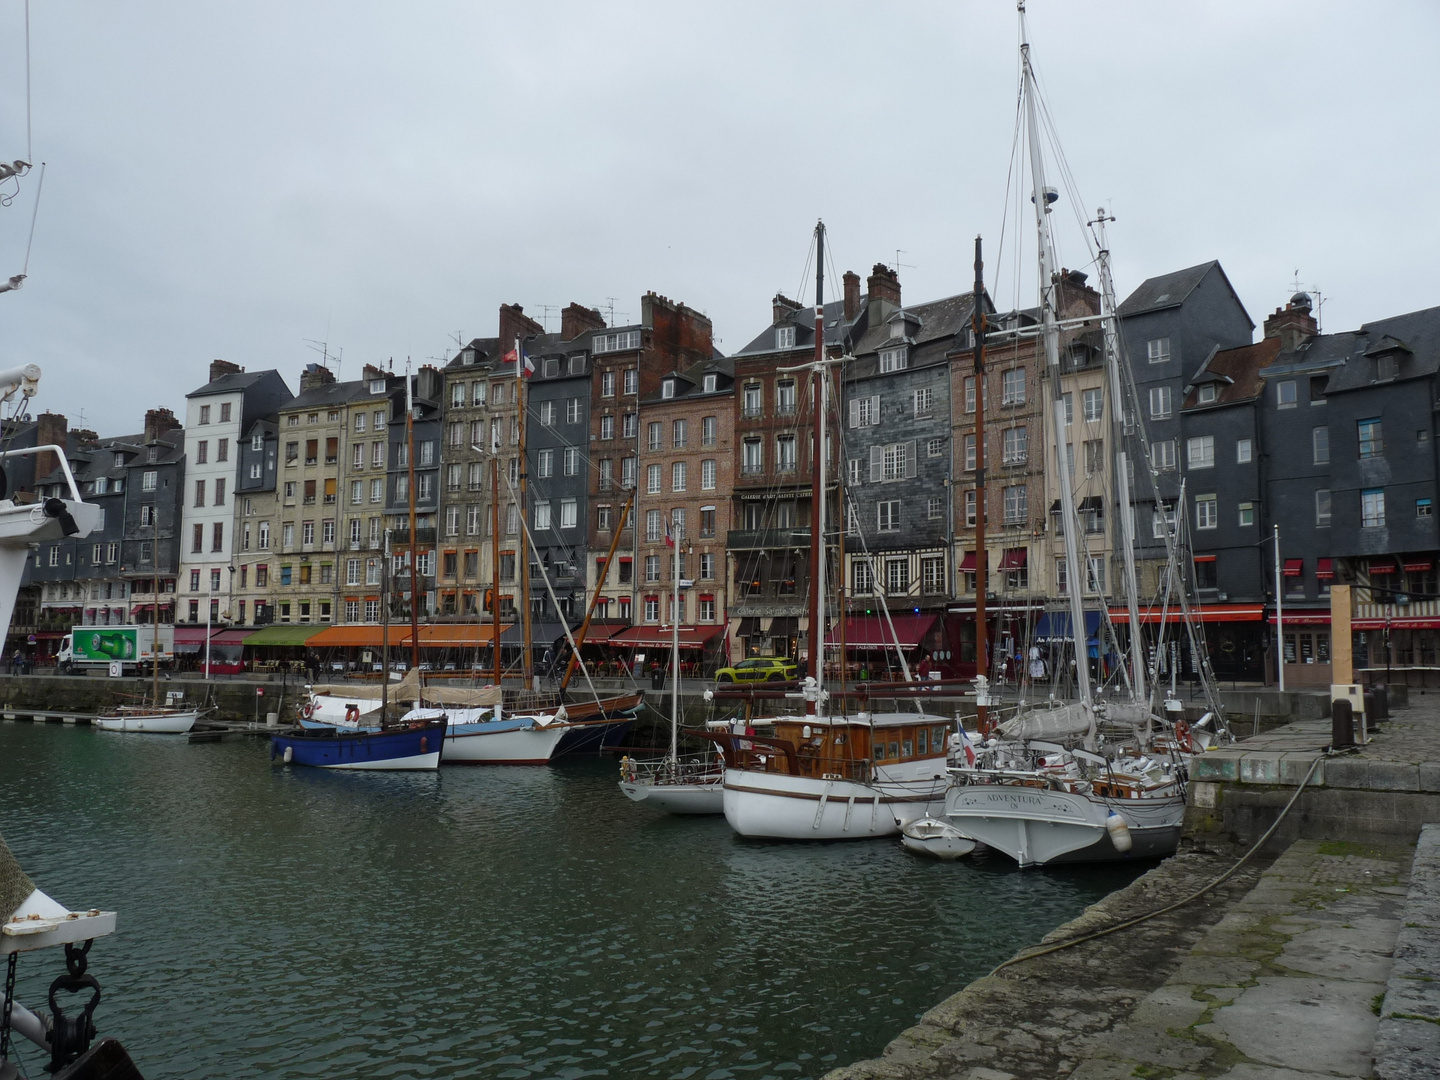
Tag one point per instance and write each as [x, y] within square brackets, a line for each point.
[1293, 324]
[315, 375]
[370, 372]
[514, 323]
[852, 295]
[781, 308]
[50, 430]
[84, 438]
[575, 320]
[884, 284]
[158, 422]
[1076, 298]
[223, 367]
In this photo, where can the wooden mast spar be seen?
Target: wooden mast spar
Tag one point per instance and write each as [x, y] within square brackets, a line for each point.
[982, 558]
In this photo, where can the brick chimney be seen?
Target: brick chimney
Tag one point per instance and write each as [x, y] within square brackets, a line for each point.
[1293, 324]
[883, 284]
[84, 438]
[782, 307]
[315, 375]
[515, 323]
[1077, 298]
[158, 422]
[370, 372]
[575, 320]
[50, 430]
[852, 295]
[223, 367]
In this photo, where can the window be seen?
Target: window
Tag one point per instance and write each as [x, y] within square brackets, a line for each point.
[707, 521]
[708, 427]
[897, 576]
[753, 456]
[970, 508]
[1163, 522]
[1247, 514]
[861, 582]
[1093, 403]
[751, 400]
[307, 533]
[969, 446]
[1016, 446]
[652, 609]
[619, 342]
[204, 414]
[785, 397]
[452, 520]
[1012, 387]
[924, 401]
[568, 512]
[934, 508]
[1320, 444]
[707, 474]
[896, 359]
[1157, 350]
[1207, 514]
[220, 491]
[678, 476]
[1062, 577]
[1424, 508]
[1243, 451]
[1372, 508]
[632, 375]
[1205, 575]
[607, 427]
[545, 463]
[377, 454]
[1016, 504]
[1285, 394]
[147, 513]
[1162, 454]
[1200, 452]
[217, 536]
[1206, 394]
[547, 414]
[199, 492]
[652, 567]
[895, 461]
[1095, 574]
[679, 433]
[377, 490]
[1371, 442]
[652, 479]
[222, 450]
[887, 516]
[1094, 456]
[602, 518]
[202, 452]
[784, 453]
[627, 472]
[607, 384]
[630, 425]
[1386, 368]
[653, 435]
[572, 461]
[935, 447]
[264, 536]
[1159, 402]
[541, 515]
[784, 337]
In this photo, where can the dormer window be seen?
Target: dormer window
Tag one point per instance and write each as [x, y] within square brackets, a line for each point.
[377, 386]
[784, 337]
[152, 454]
[1386, 367]
[667, 388]
[552, 366]
[1206, 394]
[467, 356]
[897, 329]
[893, 360]
[119, 461]
[710, 383]
[577, 364]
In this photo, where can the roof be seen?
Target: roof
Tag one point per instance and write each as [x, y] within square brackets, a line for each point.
[1173, 289]
[337, 393]
[691, 382]
[232, 383]
[1413, 339]
[486, 351]
[1237, 373]
[934, 327]
[803, 320]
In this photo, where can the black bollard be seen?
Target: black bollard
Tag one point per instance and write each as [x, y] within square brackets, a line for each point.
[1382, 702]
[1342, 725]
[1372, 710]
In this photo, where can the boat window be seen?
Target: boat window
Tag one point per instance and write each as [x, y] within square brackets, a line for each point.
[907, 749]
[939, 735]
[879, 750]
[894, 749]
[924, 740]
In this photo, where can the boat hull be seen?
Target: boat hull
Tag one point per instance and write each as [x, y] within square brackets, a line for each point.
[513, 741]
[778, 806]
[935, 838]
[593, 736]
[677, 798]
[1043, 827]
[150, 723]
[407, 749]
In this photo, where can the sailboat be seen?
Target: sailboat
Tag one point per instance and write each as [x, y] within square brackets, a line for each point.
[694, 784]
[1040, 791]
[823, 776]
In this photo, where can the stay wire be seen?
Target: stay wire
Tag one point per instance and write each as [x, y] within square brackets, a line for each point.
[29, 155]
[34, 213]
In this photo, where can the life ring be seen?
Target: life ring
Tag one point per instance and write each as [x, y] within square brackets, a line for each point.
[307, 710]
[352, 714]
[1183, 738]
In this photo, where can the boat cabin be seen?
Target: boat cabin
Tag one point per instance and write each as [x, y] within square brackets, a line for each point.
[837, 747]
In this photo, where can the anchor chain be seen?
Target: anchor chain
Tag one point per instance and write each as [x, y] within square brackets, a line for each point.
[9, 1003]
[70, 1036]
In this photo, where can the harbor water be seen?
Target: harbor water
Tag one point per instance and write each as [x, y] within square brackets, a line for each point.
[526, 922]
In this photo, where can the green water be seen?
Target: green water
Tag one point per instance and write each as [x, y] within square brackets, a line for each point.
[525, 922]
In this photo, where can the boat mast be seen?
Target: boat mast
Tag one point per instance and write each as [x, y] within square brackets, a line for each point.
[414, 546]
[982, 561]
[155, 612]
[599, 588]
[527, 665]
[817, 486]
[675, 649]
[385, 578]
[495, 555]
[1123, 506]
[1042, 197]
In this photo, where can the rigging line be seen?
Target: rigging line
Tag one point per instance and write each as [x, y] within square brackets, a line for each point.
[34, 213]
[29, 155]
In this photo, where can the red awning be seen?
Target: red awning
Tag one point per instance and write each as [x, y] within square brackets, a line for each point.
[1204, 612]
[659, 637]
[1013, 559]
[231, 637]
[1431, 622]
[873, 631]
[1324, 569]
[1305, 618]
[191, 635]
[1386, 567]
[1294, 567]
[1417, 566]
[968, 563]
[1204, 558]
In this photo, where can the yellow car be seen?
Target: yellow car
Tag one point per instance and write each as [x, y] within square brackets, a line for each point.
[760, 669]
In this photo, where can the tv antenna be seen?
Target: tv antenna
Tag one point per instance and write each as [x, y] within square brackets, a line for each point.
[545, 310]
[899, 264]
[323, 348]
[609, 308]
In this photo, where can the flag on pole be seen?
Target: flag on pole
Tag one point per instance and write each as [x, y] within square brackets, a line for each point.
[514, 356]
[669, 537]
[967, 745]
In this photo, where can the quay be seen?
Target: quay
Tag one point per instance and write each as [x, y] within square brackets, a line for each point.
[1316, 959]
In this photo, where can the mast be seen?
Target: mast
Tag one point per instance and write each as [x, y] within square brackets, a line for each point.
[495, 557]
[155, 612]
[385, 578]
[982, 561]
[599, 588]
[527, 664]
[1042, 197]
[414, 545]
[817, 484]
[675, 649]
[1123, 508]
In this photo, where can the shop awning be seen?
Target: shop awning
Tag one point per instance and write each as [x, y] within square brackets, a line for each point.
[1056, 625]
[1417, 566]
[659, 637]
[1014, 558]
[1204, 558]
[1203, 612]
[1324, 569]
[282, 635]
[357, 636]
[967, 564]
[541, 633]
[1382, 566]
[873, 632]
[190, 639]
[1423, 622]
[456, 635]
[229, 637]
[1294, 567]
[1304, 618]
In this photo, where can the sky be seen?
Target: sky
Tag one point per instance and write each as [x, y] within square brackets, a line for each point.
[240, 180]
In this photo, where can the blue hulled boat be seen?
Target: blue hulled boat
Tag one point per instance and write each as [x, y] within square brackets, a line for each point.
[407, 746]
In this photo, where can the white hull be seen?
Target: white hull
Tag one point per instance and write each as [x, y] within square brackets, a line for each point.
[471, 744]
[415, 761]
[152, 723]
[699, 797]
[777, 806]
[1037, 826]
[935, 838]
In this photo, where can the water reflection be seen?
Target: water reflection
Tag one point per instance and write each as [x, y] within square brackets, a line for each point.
[502, 923]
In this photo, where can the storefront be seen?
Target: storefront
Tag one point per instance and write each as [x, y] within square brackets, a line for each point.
[642, 646]
[1236, 637]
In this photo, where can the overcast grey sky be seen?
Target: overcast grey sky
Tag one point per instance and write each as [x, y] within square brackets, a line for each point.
[229, 179]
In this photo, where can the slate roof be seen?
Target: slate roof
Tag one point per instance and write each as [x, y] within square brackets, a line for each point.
[1237, 373]
[1173, 289]
[1418, 332]
[487, 351]
[689, 383]
[231, 383]
[934, 335]
[803, 320]
[337, 393]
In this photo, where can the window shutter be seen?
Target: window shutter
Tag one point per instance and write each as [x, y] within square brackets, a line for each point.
[854, 412]
[910, 463]
[877, 464]
[875, 410]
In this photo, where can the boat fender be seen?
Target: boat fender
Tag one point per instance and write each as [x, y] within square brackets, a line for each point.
[352, 714]
[1119, 832]
[1183, 738]
[307, 710]
[289, 754]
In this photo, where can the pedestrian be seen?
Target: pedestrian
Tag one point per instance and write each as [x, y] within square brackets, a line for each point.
[1037, 664]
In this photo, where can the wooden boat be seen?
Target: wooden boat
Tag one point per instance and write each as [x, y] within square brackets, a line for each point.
[148, 718]
[935, 838]
[403, 746]
[689, 784]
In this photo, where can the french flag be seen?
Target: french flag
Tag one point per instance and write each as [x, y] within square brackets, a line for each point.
[669, 537]
[512, 357]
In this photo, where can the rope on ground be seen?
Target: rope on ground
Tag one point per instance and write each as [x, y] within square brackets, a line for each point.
[1138, 919]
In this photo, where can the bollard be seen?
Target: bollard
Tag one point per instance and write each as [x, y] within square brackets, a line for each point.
[1342, 725]
[1382, 703]
[1371, 710]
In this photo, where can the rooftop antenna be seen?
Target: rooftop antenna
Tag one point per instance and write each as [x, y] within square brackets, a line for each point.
[323, 348]
[899, 264]
[545, 310]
